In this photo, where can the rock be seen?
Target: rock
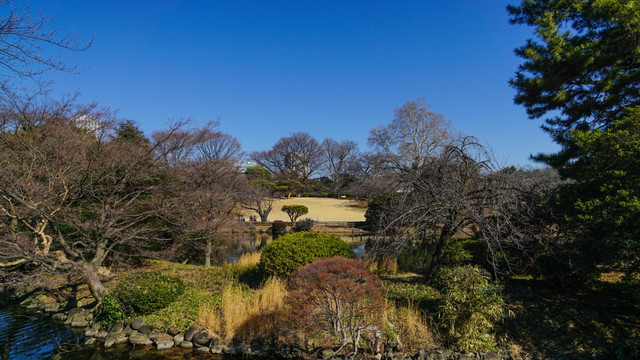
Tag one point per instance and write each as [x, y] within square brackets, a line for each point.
[186, 345]
[434, 355]
[78, 317]
[138, 338]
[467, 357]
[421, 355]
[146, 329]
[444, 353]
[217, 349]
[201, 338]
[178, 339]
[92, 331]
[229, 350]
[203, 349]
[115, 340]
[491, 356]
[102, 334]
[26, 302]
[163, 342]
[327, 354]
[32, 308]
[242, 349]
[53, 307]
[127, 331]
[188, 335]
[117, 327]
[89, 341]
[137, 323]
[79, 322]
[61, 317]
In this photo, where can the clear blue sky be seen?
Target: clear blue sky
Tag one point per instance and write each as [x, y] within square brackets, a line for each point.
[330, 68]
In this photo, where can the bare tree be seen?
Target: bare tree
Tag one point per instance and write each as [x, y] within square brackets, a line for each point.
[296, 157]
[210, 181]
[261, 204]
[461, 192]
[373, 176]
[210, 191]
[339, 161]
[86, 194]
[27, 47]
[447, 186]
[415, 134]
[260, 194]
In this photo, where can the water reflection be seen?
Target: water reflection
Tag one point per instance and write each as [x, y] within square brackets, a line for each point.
[27, 337]
[238, 244]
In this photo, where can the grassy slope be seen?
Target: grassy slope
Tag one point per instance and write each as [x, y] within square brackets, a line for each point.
[324, 209]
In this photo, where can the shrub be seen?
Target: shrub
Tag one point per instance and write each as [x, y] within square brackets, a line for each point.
[335, 300]
[111, 312]
[287, 253]
[278, 228]
[379, 206]
[631, 286]
[303, 225]
[412, 294]
[469, 307]
[147, 292]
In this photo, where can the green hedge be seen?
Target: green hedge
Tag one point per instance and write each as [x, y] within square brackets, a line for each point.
[289, 252]
[147, 292]
[111, 312]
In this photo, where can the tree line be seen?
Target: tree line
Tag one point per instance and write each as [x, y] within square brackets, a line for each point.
[80, 188]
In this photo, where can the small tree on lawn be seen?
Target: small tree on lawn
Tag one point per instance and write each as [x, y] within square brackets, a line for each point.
[295, 211]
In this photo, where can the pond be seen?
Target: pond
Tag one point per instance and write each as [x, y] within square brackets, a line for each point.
[29, 337]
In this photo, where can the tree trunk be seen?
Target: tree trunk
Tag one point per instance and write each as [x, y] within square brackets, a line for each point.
[100, 255]
[443, 241]
[207, 253]
[264, 214]
[90, 272]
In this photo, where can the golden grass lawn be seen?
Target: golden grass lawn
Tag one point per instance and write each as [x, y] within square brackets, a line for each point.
[320, 209]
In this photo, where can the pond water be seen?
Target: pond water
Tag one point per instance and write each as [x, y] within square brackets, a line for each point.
[29, 337]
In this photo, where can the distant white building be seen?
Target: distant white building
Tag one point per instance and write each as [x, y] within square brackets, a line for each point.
[88, 123]
[247, 164]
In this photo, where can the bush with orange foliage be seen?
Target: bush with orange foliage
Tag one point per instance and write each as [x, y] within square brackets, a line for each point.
[336, 301]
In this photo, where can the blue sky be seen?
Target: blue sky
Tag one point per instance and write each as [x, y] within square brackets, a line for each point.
[330, 68]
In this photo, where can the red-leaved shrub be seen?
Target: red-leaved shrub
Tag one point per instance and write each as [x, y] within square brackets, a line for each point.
[336, 302]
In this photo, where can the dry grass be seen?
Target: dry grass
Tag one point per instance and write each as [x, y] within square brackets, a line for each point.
[411, 326]
[249, 259]
[246, 316]
[387, 265]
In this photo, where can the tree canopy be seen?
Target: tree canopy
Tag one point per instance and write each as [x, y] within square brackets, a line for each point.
[582, 75]
[582, 71]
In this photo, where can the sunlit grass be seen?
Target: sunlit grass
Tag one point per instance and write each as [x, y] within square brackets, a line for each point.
[411, 326]
[248, 259]
[246, 314]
